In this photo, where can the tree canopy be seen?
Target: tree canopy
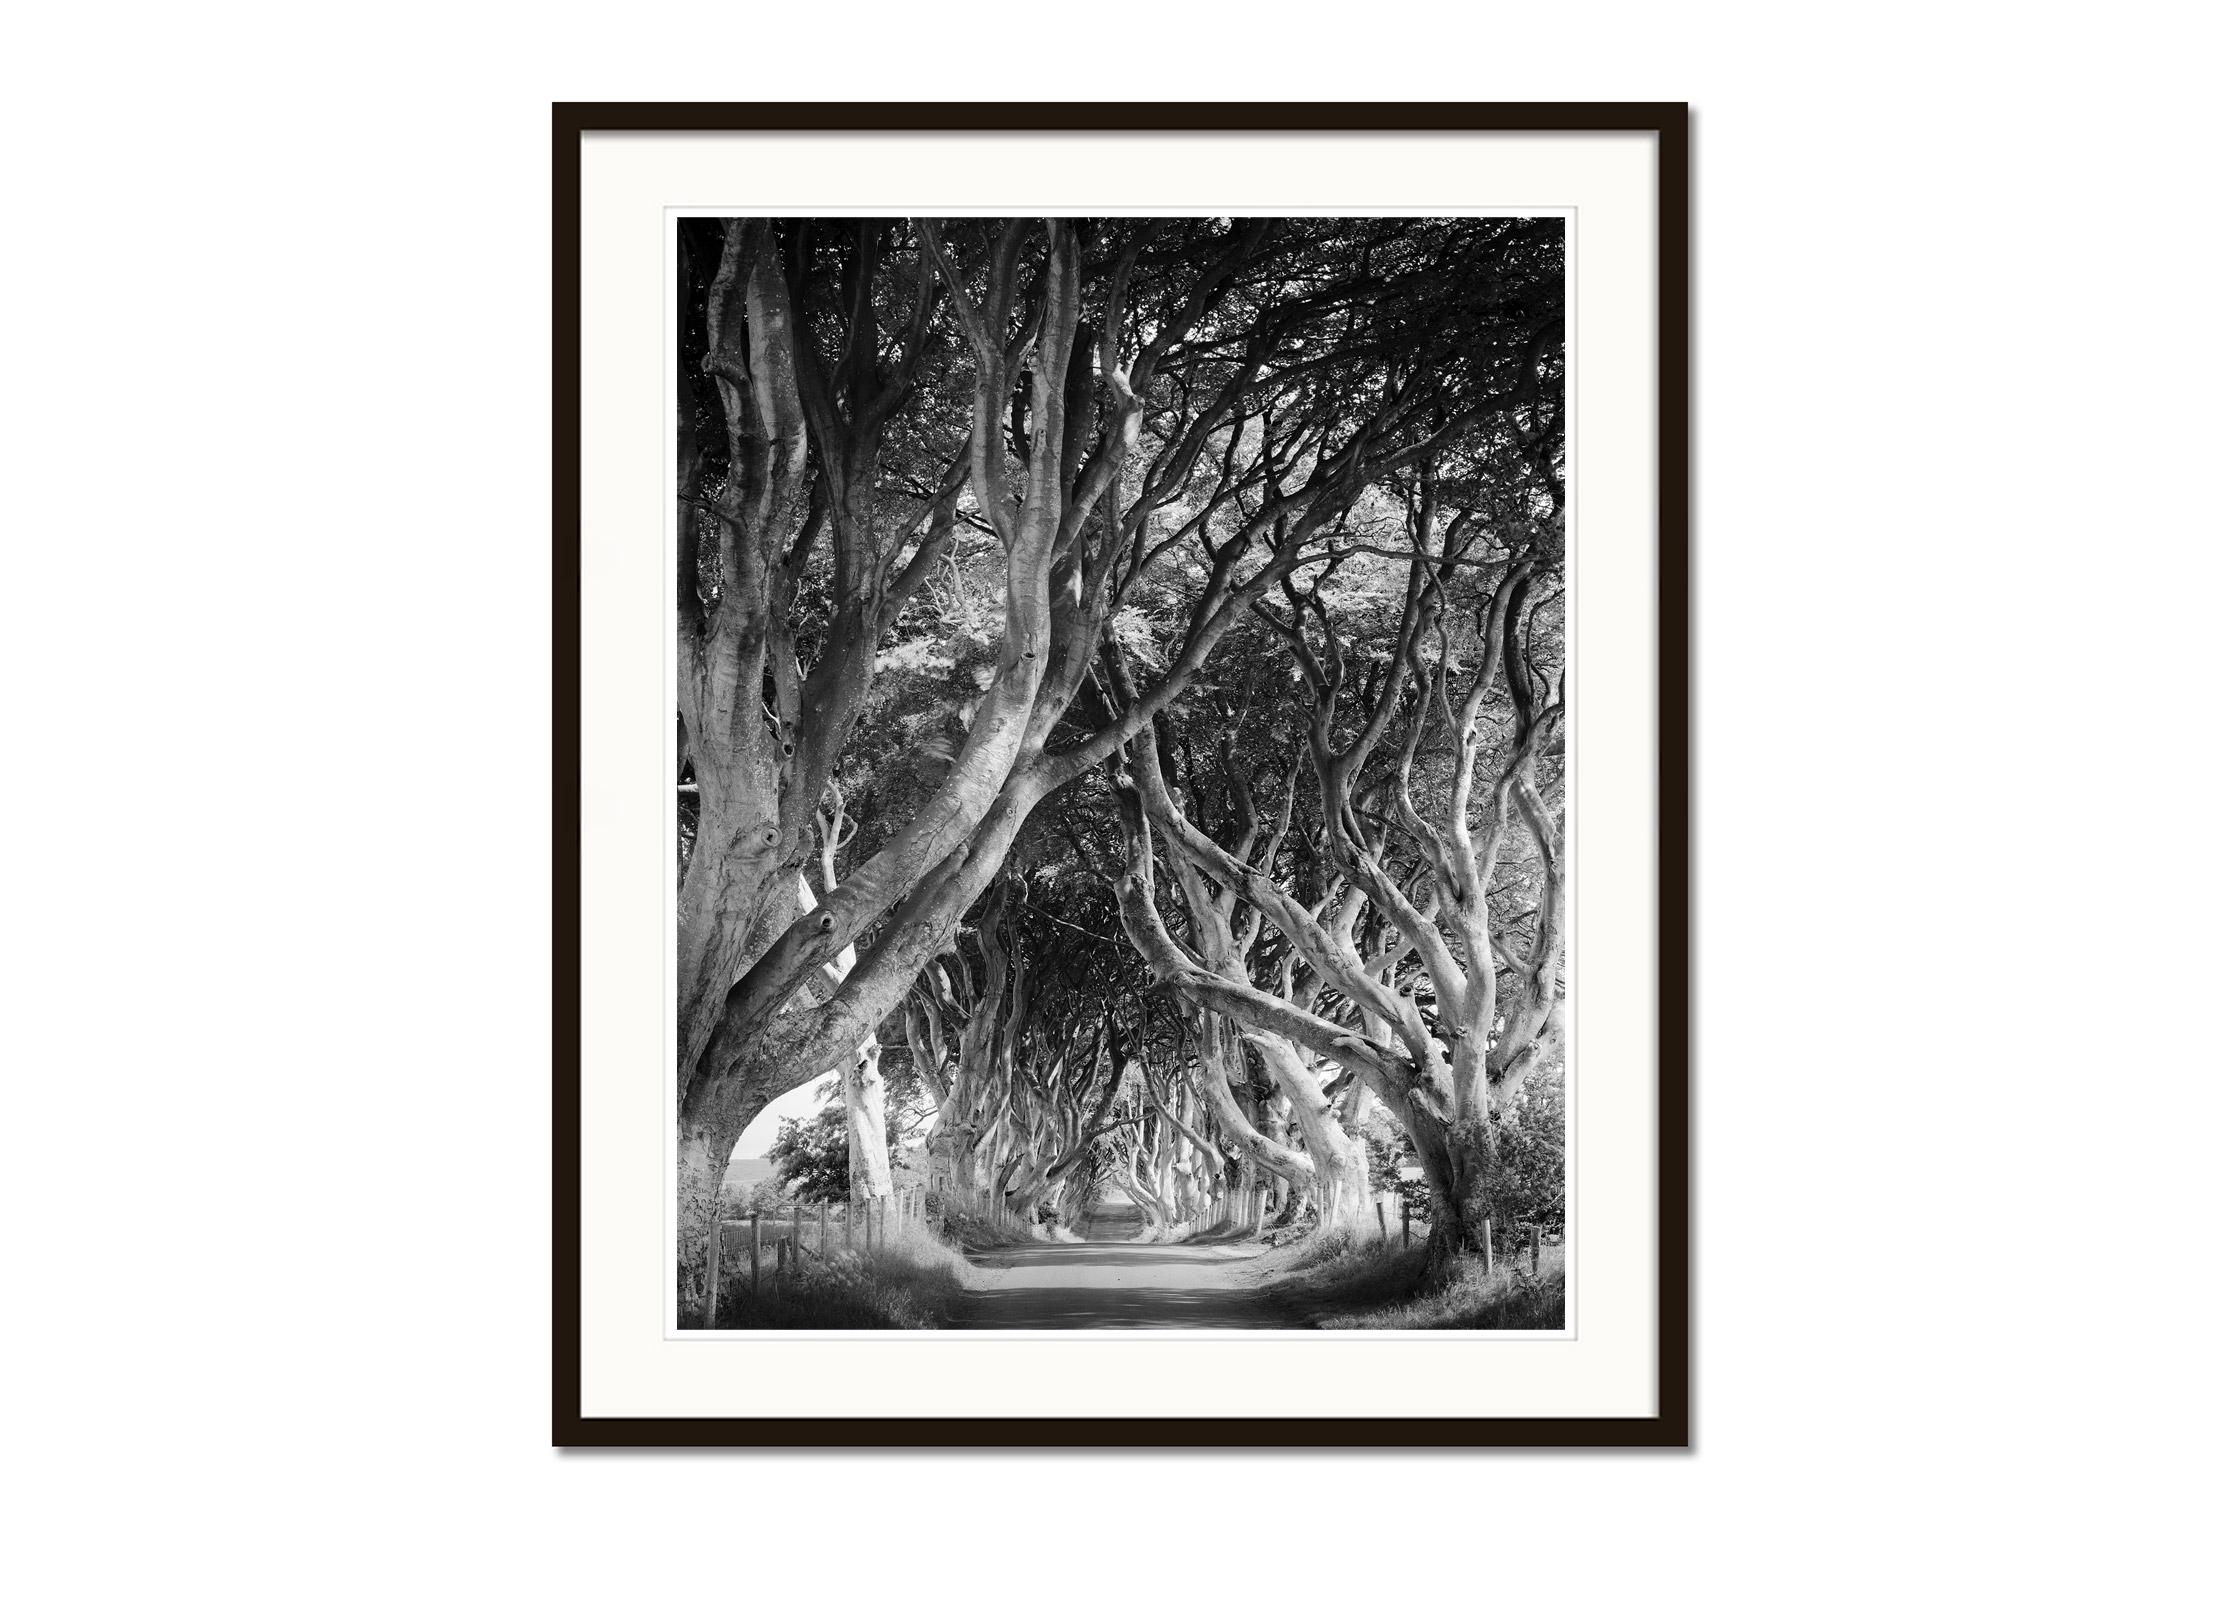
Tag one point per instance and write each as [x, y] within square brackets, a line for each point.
[1121, 669]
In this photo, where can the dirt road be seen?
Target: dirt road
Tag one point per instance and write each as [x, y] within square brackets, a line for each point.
[1107, 1282]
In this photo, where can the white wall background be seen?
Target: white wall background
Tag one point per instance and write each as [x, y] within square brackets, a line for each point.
[271, 646]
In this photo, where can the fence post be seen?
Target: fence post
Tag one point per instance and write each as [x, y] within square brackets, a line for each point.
[824, 1231]
[1382, 1236]
[796, 1238]
[1536, 1249]
[754, 1253]
[1404, 1231]
[1485, 1235]
[715, 1267]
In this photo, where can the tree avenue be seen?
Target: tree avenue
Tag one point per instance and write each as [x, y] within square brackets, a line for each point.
[1120, 706]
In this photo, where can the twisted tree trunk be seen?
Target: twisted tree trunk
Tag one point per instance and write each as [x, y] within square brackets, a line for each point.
[865, 1108]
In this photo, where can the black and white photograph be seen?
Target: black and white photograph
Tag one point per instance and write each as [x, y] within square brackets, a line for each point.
[811, 801]
[1123, 858]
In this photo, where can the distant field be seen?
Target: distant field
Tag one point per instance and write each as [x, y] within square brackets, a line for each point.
[750, 1171]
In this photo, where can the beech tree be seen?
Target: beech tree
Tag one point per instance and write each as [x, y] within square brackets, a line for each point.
[1054, 1074]
[1162, 418]
[1226, 922]
[1446, 948]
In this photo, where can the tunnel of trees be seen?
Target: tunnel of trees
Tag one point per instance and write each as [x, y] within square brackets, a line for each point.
[1121, 709]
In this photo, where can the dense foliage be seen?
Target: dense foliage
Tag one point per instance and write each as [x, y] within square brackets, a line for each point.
[811, 1154]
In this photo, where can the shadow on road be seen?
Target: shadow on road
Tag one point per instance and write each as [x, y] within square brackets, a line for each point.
[1104, 1282]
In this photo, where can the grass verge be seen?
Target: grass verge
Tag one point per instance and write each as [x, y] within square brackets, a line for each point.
[914, 1281]
[1470, 1299]
[1354, 1280]
[969, 1232]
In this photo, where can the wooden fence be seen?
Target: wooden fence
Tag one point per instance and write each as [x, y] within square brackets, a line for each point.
[824, 1232]
[1398, 1203]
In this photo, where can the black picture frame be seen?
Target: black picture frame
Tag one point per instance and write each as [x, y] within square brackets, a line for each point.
[1668, 122]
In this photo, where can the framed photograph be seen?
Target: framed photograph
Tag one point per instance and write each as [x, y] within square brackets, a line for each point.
[1121, 725]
